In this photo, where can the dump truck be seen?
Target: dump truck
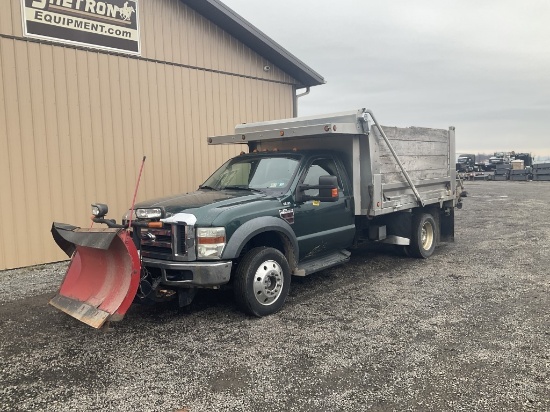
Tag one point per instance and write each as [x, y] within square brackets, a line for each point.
[303, 193]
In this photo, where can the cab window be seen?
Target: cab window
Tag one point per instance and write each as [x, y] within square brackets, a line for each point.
[320, 167]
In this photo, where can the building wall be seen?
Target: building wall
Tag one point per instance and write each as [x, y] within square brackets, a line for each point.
[75, 123]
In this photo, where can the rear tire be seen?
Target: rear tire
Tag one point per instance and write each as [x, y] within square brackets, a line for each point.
[262, 281]
[423, 236]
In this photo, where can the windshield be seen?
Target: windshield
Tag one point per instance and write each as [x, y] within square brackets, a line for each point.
[255, 173]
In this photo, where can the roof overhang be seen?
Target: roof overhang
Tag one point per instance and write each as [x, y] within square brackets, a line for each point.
[221, 15]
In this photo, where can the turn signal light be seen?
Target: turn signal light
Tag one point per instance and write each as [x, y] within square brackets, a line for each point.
[335, 192]
[211, 240]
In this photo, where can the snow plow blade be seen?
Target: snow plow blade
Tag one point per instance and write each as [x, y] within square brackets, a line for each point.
[103, 275]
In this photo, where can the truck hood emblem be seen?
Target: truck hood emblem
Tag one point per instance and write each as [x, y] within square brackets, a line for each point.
[148, 236]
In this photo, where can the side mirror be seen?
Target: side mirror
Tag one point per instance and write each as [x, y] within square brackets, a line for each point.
[328, 190]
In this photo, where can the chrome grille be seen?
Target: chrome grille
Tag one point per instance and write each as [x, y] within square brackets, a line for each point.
[168, 243]
[155, 242]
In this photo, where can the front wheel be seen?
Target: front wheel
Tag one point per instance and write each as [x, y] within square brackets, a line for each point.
[424, 236]
[262, 281]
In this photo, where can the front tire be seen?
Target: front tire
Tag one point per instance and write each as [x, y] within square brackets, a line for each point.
[262, 281]
[424, 236]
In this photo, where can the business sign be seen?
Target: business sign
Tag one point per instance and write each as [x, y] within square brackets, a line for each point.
[108, 24]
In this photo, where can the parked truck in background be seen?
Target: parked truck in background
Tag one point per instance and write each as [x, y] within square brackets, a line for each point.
[306, 191]
[466, 163]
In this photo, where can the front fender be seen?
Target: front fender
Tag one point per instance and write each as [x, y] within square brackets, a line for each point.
[254, 227]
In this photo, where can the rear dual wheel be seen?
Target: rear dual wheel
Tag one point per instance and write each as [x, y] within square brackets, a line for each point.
[262, 281]
[423, 236]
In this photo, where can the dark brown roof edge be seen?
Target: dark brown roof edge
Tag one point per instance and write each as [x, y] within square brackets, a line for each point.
[242, 30]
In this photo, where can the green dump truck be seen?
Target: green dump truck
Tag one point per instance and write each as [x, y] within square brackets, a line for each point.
[303, 192]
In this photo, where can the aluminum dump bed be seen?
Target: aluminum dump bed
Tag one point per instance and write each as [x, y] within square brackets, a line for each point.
[391, 168]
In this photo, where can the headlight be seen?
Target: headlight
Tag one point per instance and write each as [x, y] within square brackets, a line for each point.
[149, 213]
[210, 242]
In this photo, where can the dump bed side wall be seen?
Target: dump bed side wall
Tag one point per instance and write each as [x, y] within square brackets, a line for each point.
[423, 152]
[426, 154]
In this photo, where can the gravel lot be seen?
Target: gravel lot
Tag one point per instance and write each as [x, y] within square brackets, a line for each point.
[468, 329]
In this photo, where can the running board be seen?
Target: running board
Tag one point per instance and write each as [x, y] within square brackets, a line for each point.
[314, 265]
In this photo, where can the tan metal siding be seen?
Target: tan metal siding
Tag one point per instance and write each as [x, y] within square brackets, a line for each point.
[74, 123]
[6, 206]
[10, 18]
[173, 32]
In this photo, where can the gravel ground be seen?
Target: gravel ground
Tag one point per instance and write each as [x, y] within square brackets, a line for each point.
[468, 329]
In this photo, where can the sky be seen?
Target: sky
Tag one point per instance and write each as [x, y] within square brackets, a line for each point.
[482, 66]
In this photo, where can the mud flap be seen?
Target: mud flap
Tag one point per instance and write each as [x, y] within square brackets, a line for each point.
[103, 275]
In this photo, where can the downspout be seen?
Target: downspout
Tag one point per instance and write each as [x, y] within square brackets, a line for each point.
[296, 97]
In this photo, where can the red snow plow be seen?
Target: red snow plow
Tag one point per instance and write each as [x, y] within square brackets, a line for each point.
[103, 275]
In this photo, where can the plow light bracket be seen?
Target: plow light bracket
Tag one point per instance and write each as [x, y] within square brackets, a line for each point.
[99, 209]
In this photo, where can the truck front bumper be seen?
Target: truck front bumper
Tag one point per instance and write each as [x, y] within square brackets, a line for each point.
[186, 274]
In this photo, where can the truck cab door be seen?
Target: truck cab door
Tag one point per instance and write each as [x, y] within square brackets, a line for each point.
[322, 227]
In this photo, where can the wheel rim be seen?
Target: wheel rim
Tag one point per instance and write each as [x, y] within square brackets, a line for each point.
[427, 235]
[268, 282]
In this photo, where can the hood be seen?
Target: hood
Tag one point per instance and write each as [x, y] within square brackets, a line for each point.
[206, 204]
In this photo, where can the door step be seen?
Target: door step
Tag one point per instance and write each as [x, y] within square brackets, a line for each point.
[307, 267]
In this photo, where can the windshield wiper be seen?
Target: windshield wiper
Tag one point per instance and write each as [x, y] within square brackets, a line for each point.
[242, 187]
[208, 187]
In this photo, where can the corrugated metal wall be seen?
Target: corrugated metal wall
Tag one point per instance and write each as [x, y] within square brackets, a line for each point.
[75, 123]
